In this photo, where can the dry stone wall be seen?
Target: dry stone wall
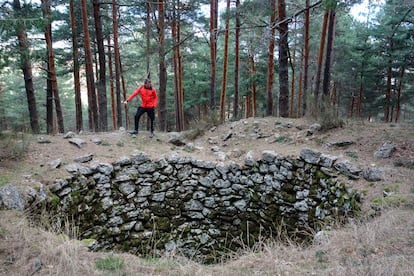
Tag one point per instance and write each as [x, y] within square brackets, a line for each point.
[200, 208]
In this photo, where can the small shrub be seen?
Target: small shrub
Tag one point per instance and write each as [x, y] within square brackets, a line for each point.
[281, 139]
[110, 263]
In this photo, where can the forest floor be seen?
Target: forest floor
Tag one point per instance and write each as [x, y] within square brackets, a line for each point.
[383, 245]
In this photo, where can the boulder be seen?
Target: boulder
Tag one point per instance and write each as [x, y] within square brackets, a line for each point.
[11, 198]
[386, 150]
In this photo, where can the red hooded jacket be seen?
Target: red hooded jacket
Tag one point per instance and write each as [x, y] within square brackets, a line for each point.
[149, 96]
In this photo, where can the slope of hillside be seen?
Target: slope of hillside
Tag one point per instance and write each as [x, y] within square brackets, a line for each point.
[366, 247]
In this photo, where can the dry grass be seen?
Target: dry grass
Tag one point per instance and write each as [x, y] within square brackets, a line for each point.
[382, 246]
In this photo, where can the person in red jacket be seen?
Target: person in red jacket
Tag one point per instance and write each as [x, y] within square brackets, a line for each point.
[149, 100]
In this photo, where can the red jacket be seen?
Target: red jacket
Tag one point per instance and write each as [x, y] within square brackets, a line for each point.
[149, 96]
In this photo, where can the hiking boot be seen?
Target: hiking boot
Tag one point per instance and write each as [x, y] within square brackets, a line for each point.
[133, 132]
[151, 134]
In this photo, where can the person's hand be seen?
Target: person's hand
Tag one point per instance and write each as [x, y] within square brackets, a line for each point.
[125, 102]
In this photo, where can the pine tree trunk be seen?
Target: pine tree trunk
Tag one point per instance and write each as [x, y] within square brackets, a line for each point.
[270, 63]
[306, 59]
[26, 66]
[253, 84]
[101, 82]
[397, 113]
[94, 121]
[225, 64]
[361, 90]
[283, 61]
[292, 83]
[213, 51]
[320, 58]
[111, 84]
[162, 92]
[388, 90]
[51, 65]
[178, 70]
[236, 62]
[76, 68]
[328, 56]
[117, 60]
[50, 129]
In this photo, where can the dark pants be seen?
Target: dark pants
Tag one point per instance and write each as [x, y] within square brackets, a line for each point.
[151, 115]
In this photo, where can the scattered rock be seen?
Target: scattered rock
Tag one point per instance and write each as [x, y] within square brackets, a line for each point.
[84, 158]
[373, 174]
[386, 150]
[227, 136]
[11, 198]
[176, 138]
[341, 144]
[327, 160]
[55, 163]
[43, 140]
[313, 128]
[177, 142]
[77, 142]
[348, 169]
[310, 156]
[97, 141]
[69, 135]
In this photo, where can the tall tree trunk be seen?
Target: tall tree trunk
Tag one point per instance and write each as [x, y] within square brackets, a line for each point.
[320, 58]
[388, 89]
[306, 58]
[300, 97]
[162, 92]
[111, 84]
[361, 90]
[283, 61]
[292, 87]
[76, 68]
[397, 113]
[147, 36]
[50, 128]
[101, 83]
[328, 56]
[51, 65]
[253, 83]
[26, 66]
[117, 60]
[225, 64]
[124, 93]
[236, 62]
[352, 105]
[270, 63]
[179, 111]
[180, 70]
[213, 51]
[89, 70]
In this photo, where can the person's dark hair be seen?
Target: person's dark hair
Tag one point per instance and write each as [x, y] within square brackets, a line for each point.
[147, 80]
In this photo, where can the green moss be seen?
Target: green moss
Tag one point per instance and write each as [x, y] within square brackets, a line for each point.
[87, 242]
[54, 200]
[76, 197]
[162, 223]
